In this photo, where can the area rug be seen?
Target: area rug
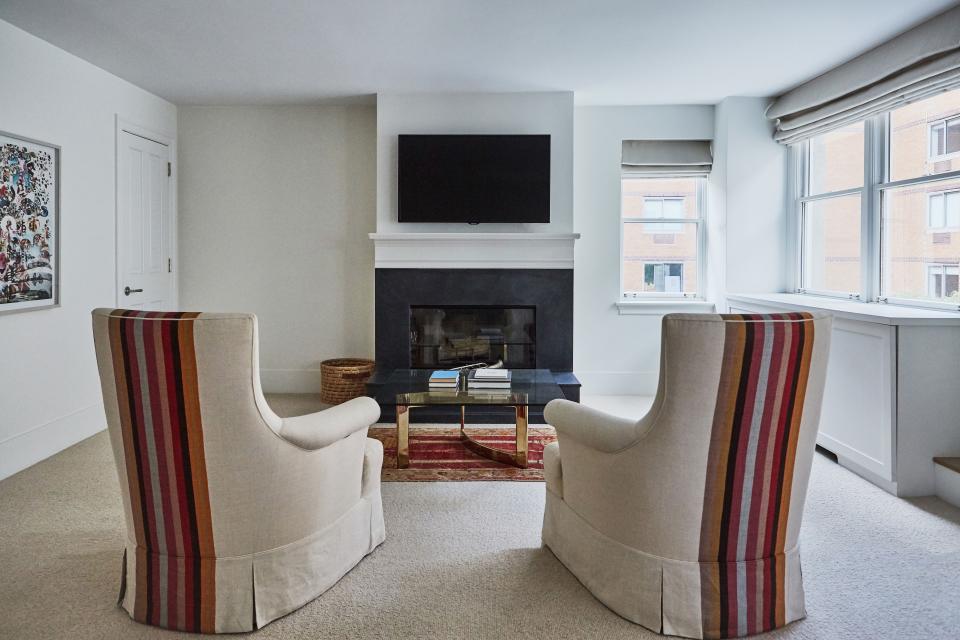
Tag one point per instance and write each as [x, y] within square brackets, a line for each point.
[436, 454]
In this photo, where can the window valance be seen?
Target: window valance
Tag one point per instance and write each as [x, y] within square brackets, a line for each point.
[914, 65]
[667, 157]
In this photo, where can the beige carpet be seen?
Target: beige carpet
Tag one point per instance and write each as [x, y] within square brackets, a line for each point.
[463, 560]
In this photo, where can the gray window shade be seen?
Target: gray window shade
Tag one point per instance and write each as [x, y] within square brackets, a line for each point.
[667, 157]
[914, 65]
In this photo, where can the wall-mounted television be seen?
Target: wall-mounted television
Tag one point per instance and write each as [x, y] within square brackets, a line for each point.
[474, 178]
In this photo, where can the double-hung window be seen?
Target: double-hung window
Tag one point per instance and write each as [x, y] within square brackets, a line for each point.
[661, 236]
[878, 206]
[831, 206]
[944, 138]
[655, 207]
[943, 210]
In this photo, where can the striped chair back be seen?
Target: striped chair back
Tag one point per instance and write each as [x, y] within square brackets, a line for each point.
[750, 467]
[155, 375]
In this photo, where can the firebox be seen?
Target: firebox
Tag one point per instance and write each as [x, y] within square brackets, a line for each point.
[442, 337]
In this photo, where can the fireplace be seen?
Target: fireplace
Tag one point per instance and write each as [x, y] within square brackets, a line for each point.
[441, 318]
[444, 337]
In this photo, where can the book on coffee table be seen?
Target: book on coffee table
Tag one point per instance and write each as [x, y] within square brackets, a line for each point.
[478, 380]
[492, 374]
[444, 379]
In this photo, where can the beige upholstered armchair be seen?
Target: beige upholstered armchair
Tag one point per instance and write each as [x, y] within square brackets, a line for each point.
[234, 516]
[686, 522]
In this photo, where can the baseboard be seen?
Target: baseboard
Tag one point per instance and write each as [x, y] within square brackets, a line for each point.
[887, 485]
[30, 447]
[290, 380]
[618, 383]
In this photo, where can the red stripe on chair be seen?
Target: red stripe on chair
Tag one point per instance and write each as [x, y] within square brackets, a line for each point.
[156, 377]
[749, 472]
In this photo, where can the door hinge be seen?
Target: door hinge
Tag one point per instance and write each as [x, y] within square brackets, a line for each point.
[169, 265]
[169, 170]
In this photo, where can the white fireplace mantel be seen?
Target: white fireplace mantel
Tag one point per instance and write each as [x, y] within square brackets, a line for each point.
[474, 250]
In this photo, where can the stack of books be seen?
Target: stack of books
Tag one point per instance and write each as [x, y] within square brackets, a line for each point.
[445, 380]
[489, 379]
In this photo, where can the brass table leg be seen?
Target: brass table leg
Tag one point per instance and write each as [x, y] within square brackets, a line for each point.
[403, 436]
[517, 459]
[522, 447]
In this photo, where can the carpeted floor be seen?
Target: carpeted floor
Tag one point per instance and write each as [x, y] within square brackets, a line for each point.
[463, 560]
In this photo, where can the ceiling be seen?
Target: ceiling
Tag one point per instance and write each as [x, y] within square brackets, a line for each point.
[607, 51]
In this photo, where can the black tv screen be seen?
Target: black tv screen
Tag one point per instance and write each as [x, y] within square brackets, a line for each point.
[474, 178]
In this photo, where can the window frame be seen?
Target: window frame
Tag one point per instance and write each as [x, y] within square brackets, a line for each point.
[800, 178]
[947, 155]
[946, 228]
[699, 223]
[876, 183]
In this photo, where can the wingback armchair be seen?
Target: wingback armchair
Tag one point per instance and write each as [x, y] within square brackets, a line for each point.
[687, 521]
[234, 516]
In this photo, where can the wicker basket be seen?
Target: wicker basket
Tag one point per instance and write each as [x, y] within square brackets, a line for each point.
[343, 379]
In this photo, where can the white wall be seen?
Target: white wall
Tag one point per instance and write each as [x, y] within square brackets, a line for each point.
[476, 113]
[275, 207]
[749, 183]
[615, 354]
[49, 389]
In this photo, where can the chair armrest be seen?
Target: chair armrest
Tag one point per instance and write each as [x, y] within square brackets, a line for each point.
[318, 430]
[553, 469]
[372, 464]
[590, 427]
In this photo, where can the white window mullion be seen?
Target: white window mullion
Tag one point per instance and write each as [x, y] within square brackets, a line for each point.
[795, 184]
[876, 168]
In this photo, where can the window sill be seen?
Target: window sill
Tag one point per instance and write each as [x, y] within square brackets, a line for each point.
[889, 314]
[661, 306]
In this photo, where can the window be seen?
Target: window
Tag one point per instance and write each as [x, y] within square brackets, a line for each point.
[658, 207]
[943, 210]
[830, 208]
[944, 138]
[661, 236]
[663, 277]
[878, 207]
[943, 281]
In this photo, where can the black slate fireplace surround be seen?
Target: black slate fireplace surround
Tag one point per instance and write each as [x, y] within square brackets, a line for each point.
[548, 293]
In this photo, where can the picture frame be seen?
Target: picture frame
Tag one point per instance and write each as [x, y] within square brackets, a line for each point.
[29, 224]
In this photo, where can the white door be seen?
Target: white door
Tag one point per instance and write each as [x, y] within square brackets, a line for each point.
[145, 278]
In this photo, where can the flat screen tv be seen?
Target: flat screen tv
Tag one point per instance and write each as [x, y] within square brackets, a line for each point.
[474, 178]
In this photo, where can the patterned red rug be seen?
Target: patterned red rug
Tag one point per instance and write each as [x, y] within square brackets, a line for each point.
[436, 454]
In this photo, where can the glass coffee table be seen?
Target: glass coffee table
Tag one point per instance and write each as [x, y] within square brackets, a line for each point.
[408, 389]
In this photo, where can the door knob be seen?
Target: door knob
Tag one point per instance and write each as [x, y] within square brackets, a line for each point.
[127, 291]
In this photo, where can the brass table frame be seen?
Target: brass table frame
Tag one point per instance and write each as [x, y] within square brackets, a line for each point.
[517, 459]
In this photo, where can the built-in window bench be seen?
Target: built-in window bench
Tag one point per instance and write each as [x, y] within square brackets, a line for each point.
[892, 397]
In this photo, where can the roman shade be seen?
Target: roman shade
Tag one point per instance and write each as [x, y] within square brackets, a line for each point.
[667, 157]
[914, 65]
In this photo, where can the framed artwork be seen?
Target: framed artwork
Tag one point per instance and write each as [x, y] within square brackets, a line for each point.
[29, 224]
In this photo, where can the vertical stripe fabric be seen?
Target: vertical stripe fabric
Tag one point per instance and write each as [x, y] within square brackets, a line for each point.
[766, 360]
[155, 373]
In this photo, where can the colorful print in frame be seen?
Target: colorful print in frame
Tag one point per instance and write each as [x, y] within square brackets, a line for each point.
[29, 224]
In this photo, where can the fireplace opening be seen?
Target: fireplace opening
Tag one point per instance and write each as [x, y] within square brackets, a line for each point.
[449, 336]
